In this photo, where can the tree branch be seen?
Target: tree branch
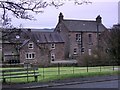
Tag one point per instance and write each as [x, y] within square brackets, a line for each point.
[21, 9]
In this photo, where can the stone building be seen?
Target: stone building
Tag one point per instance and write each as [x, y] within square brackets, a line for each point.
[81, 36]
[33, 47]
[70, 39]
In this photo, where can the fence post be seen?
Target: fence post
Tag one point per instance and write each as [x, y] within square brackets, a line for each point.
[100, 68]
[27, 72]
[35, 76]
[4, 80]
[87, 65]
[73, 68]
[58, 68]
[87, 68]
[113, 67]
[43, 72]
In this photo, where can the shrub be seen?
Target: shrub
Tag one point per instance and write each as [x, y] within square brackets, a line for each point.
[96, 59]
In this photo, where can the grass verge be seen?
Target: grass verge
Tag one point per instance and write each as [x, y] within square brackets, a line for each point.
[52, 74]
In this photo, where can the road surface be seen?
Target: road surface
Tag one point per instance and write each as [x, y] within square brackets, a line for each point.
[105, 84]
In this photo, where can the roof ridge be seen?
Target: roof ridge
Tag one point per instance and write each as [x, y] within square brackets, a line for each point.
[82, 25]
[79, 20]
[24, 42]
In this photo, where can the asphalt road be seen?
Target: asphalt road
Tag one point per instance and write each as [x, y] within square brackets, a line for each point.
[105, 84]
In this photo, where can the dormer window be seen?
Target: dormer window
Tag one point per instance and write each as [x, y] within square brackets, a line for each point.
[52, 46]
[30, 45]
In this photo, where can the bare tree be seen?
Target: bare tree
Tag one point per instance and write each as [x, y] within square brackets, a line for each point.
[21, 8]
[112, 42]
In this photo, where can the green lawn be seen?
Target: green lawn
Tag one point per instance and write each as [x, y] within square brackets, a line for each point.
[55, 73]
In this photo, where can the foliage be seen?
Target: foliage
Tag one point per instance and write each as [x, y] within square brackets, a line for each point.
[97, 58]
[113, 44]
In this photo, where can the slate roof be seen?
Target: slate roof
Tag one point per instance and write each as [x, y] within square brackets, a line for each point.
[83, 25]
[25, 42]
[36, 36]
[10, 36]
[47, 37]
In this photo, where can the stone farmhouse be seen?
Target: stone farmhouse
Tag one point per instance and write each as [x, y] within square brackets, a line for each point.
[69, 39]
[81, 36]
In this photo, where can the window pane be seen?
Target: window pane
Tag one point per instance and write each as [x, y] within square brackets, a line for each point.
[82, 50]
[78, 37]
[33, 55]
[27, 55]
[89, 51]
[30, 56]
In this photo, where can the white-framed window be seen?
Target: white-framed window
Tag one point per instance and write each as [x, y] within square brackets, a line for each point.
[30, 45]
[75, 50]
[53, 46]
[52, 57]
[89, 52]
[78, 37]
[30, 55]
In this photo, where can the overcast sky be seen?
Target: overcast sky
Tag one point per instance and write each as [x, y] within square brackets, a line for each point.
[108, 9]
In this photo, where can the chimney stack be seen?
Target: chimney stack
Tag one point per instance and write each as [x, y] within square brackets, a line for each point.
[99, 19]
[60, 17]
